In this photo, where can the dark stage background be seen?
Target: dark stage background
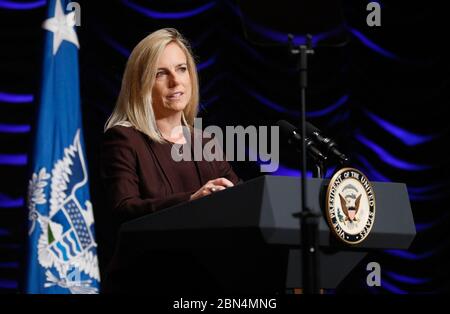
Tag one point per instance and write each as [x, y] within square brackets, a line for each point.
[381, 92]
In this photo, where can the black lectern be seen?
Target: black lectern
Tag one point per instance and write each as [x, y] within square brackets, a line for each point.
[246, 240]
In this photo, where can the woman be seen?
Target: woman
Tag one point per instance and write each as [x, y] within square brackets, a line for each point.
[159, 94]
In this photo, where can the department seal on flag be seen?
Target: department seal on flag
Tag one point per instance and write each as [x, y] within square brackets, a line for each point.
[66, 246]
[350, 205]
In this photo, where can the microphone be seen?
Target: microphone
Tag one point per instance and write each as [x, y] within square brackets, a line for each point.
[326, 143]
[294, 138]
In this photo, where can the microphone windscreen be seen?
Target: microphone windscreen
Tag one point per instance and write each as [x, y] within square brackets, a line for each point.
[285, 127]
[311, 129]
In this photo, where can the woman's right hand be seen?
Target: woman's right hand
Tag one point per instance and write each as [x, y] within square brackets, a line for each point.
[212, 186]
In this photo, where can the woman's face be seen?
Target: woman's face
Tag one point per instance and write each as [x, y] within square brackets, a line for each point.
[172, 89]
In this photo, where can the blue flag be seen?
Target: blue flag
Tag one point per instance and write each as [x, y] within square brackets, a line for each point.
[62, 249]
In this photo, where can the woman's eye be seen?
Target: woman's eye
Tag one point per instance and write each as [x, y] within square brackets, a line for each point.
[159, 74]
[183, 69]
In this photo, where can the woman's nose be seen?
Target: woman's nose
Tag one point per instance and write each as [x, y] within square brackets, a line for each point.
[174, 80]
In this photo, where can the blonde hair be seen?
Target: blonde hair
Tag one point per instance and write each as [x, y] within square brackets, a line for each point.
[134, 104]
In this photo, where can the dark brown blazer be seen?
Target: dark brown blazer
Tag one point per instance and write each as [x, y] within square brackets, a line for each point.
[138, 180]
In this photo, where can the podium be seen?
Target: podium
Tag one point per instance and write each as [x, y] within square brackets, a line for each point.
[246, 239]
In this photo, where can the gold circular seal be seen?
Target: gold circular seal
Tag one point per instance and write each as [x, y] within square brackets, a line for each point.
[350, 205]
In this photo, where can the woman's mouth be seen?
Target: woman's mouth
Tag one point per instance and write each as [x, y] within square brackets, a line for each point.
[175, 96]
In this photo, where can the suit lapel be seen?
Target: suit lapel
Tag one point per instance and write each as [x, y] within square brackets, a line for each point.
[160, 156]
[204, 168]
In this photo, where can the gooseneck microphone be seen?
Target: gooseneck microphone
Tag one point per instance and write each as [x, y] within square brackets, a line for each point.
[327, 144]
[294, 138]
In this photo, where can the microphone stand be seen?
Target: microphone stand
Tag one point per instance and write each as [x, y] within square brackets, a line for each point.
[308, 218]
[319, 170]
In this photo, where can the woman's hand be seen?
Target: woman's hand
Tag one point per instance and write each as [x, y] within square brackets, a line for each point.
[212, 186]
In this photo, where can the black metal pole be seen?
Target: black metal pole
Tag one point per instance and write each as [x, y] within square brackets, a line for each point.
[308, 218]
